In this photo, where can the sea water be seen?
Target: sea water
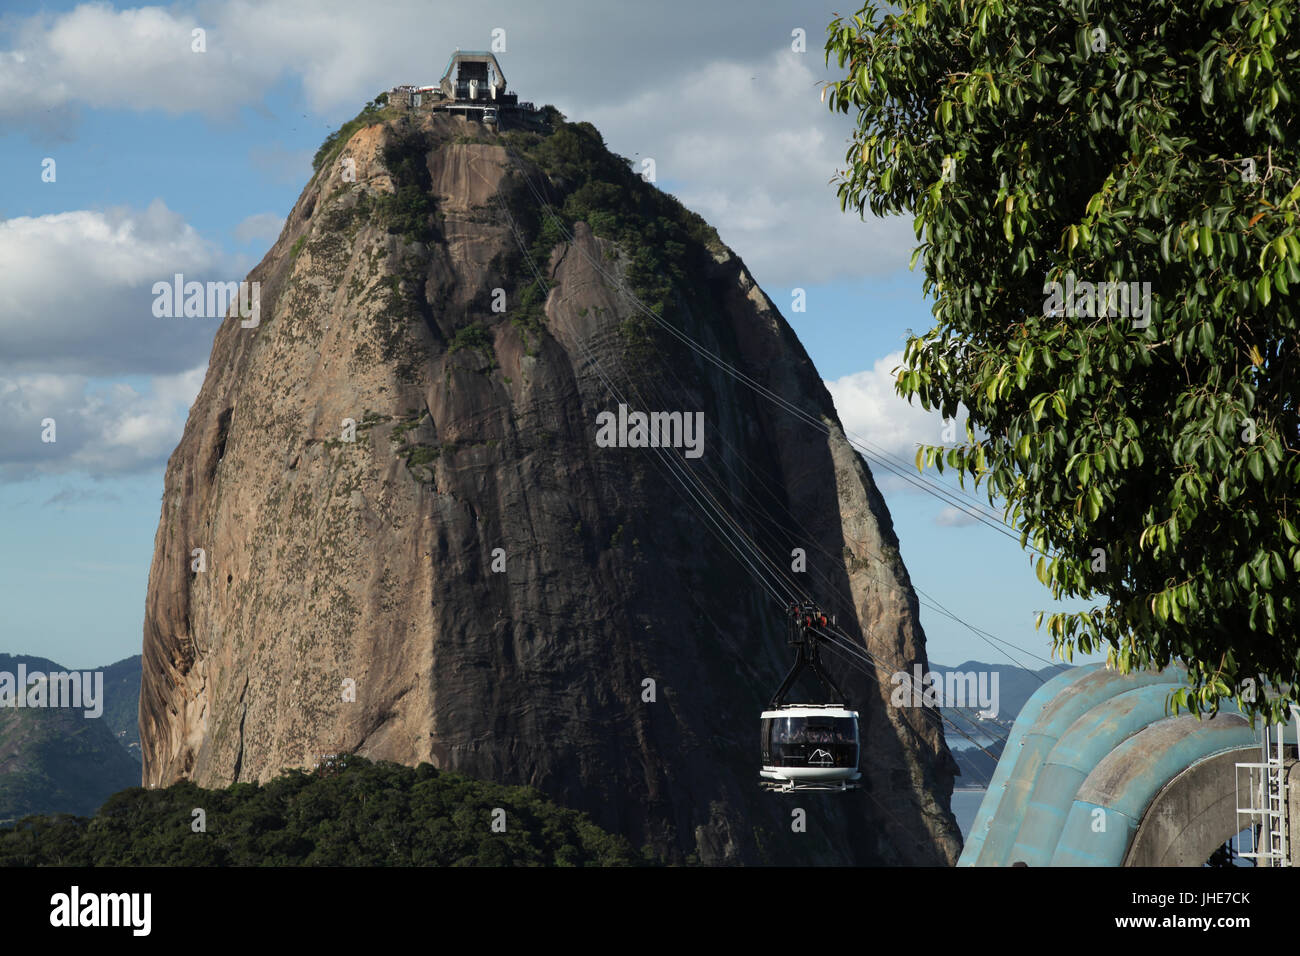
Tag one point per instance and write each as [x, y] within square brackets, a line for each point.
[965, 804]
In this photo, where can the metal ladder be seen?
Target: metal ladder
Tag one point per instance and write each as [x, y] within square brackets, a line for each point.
[1265, 806]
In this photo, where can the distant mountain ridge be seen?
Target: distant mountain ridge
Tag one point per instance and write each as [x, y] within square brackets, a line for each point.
[1015, 684]
[57, 760]
[122, 702]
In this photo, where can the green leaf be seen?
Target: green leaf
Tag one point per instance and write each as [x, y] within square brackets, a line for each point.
[1264, 290]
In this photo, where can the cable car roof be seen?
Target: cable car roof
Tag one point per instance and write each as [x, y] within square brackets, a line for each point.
[810, 710]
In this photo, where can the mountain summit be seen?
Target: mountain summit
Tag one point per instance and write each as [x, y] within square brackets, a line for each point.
[414, 548]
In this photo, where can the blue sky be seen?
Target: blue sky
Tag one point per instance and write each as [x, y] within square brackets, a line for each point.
[168, 159]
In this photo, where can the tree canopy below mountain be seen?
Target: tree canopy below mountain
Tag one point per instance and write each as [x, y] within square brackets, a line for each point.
[348, 812]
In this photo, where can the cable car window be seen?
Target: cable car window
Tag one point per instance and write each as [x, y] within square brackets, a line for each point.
[798, 741]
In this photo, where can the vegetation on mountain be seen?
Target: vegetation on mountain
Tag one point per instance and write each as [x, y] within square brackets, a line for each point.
[372, 112]
[56, 759]
[593, 185]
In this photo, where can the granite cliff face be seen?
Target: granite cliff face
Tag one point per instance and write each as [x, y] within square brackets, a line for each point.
[377, 562]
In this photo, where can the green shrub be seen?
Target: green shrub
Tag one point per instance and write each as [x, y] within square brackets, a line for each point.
[473, 336]
[422, 455]
[659, 237]
[410, 210]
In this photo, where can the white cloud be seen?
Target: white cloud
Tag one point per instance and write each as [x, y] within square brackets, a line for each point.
[563, 51]
[140, 57]
[75, 317]
[75, 291]
[260, 225]
[750, 147]
[143, 58]
[876, 417]
[733, 117]
[951, 517]
[99, 429]
[69, 497]
[869, 407]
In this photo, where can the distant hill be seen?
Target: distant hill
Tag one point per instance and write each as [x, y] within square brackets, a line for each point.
[350, 812]
[1015, 684]
[56, 760]
[122, 702]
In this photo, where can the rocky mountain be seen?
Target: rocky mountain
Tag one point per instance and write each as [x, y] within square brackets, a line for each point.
[56, 759]
[414, 549]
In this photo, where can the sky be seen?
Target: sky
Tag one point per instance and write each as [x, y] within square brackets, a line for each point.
[133, 147]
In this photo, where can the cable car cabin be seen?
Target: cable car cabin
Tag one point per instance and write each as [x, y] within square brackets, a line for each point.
[810, 746]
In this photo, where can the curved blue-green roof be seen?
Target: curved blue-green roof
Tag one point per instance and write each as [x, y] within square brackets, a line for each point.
[1086, 756]
[988, 810]
[1108, 807]
[1082, 746]
[1049, 713]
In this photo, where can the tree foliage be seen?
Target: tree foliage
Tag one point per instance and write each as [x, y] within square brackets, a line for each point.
[349, 812]
[410, 209]
[1150, 461]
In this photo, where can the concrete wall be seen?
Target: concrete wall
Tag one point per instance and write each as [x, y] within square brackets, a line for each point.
[1192, 815]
